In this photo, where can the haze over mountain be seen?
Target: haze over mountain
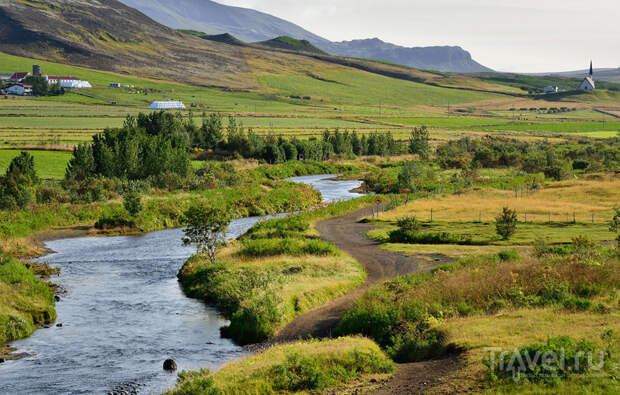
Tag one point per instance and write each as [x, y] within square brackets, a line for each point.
[608, 74]
[251, 26]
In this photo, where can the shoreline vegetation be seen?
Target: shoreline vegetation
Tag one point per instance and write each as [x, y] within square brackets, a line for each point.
[276, 271]
[23, 232]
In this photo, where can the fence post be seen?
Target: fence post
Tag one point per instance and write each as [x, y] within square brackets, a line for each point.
[431, 215]
[549, 218]
[574, 218]
[592, 217]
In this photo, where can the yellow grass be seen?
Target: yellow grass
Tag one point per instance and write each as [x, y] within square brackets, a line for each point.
[582, 197]
[511, 329]
[322, 279]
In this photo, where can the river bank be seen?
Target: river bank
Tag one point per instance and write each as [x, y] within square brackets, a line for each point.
[118, 319]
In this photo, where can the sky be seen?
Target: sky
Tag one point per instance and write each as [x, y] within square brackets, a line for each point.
[520, 35]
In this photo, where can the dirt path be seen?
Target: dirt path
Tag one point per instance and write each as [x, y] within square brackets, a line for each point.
[349, 236]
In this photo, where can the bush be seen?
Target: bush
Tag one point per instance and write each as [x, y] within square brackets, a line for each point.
[410, 237]
[531, 363]
[51, 194]
[295, 247]
[507, 256]
[282, 228]
[410, 224]
[132, 201]
[116, 220]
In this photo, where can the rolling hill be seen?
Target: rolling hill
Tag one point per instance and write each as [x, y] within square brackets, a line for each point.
[253, 26]
[107, 35]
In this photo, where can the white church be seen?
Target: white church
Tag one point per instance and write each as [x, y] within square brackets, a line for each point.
[588, 82]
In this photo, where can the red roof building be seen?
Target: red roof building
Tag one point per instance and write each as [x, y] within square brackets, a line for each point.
[19, 76]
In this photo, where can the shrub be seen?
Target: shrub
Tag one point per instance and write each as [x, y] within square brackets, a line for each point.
[410, 224]
[295, 247]
[51, 194]
[507, 256]
[132, 201]
[409, 237]
[116, 220]
[506, 223]
[545, 363]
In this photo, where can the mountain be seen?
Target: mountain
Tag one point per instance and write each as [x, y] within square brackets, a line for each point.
[251, 26]
[214, 18]
[448, 59]
[107, 35]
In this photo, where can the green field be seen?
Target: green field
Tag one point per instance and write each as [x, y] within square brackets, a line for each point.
[48, 164]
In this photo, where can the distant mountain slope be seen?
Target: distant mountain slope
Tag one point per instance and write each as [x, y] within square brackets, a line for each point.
[291, 44]
[214, 18]
[448, 59]
[610, 75]
[251, 26]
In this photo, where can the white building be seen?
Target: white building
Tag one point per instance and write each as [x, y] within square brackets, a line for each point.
[550, 89]
[167, 105]
[67, 82]
[587, 84]
[19, 90]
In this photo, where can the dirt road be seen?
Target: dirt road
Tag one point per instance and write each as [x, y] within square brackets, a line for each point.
[349, 236]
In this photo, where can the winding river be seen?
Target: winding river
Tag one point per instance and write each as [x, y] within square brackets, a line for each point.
[124, 313]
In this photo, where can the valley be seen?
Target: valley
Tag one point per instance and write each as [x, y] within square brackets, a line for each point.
[300, 222]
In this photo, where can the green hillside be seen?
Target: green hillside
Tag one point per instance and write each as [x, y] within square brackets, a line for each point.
[292, 44]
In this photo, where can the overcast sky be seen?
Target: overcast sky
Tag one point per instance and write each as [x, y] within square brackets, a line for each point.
[518, 35]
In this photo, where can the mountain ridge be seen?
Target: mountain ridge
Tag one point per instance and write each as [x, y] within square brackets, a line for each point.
[255, 26]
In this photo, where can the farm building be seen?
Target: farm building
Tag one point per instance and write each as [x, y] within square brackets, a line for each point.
[19, 90]
[167, 105]
[18, 77]
[67, 82]
[550, 89]
[5, 77]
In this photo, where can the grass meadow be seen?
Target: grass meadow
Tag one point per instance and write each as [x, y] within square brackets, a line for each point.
[48, 164]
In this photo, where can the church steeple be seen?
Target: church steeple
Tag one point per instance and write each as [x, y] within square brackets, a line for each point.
[591, 69]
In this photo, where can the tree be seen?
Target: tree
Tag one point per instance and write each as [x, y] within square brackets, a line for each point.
[615, 225]
[419, 142]
[506, 223]
[410, 171]
[22, 171]
[40, 86]
[132, 201]
[16, 185]
[206, 228]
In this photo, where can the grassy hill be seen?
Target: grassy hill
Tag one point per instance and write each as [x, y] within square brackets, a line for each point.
[284, 42]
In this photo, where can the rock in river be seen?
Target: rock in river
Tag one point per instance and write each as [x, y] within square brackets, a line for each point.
[170, 365]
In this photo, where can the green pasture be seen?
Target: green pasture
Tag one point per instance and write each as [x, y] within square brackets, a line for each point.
[367, 89]
[48, 164]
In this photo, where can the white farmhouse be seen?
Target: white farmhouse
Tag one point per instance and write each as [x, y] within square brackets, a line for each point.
[167, 105]
[19, 90]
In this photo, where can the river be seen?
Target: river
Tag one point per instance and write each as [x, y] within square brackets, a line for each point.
[124, 313]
